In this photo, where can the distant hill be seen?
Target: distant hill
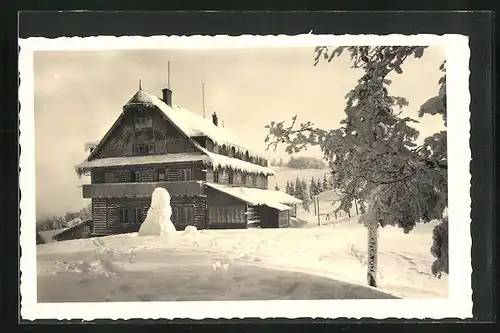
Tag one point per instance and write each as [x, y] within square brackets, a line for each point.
[284, 174]
[304, 162]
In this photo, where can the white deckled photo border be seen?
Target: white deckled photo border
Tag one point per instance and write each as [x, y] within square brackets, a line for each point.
[457, 305]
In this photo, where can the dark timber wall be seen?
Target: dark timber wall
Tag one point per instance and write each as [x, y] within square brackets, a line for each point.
[163, 135]
[149, 173]
[225, 211]
[106, 220]
[273, 218]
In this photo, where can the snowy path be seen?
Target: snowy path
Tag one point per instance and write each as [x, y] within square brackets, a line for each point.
[305, 263]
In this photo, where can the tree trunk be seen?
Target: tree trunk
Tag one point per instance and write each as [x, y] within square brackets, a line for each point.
[362, 208]
[356, 205]
[372, 253]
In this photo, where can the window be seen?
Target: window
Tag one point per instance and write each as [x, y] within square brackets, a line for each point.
[137, 177]
[216, 176]
[258, 181]
[141, 123]
[185, 174]
[226, 214]
[109, 177]
[144, 148]
[230, 177]
[183, 215]
[243, 178]
[254, 180]
[161, 175]
[129, 215]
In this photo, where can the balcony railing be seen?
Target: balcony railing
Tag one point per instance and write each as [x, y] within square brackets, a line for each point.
[158, 147]
[109, 190]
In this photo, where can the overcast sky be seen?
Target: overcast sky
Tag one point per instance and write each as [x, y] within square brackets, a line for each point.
[78, 96]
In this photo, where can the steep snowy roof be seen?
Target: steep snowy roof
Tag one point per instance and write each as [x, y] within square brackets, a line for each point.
[194, 125]
[137, 160]
[257, 196]
[140, 97]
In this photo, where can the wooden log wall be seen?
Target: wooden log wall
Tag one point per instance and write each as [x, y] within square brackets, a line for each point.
[104, 213]
[118, 140]
[284, 219]
[149, 173]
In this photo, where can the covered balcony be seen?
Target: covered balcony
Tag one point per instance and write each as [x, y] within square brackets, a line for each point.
[113, 190]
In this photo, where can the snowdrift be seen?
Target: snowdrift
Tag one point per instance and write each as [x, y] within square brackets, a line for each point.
[295, 263]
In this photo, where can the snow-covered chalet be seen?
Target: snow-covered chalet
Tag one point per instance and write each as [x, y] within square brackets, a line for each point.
[214, 181]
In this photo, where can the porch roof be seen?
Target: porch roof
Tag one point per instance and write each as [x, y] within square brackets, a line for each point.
[258, 197]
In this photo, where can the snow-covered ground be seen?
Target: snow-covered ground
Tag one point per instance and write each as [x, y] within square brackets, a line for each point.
[325, 262]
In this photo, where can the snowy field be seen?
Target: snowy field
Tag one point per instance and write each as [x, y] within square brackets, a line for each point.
[311, 262]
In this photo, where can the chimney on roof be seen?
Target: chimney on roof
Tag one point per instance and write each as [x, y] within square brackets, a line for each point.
[215, 119]
[167, 96]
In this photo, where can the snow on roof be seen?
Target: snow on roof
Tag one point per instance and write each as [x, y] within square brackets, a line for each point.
[137, 160]
[221, 161]
[257, 196]
[90, 145]
[48, 235]
[194, 125]
[278, 206]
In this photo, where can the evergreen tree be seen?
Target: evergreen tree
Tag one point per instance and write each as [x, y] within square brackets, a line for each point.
[325, 183]
[291, 188]
[305, 188]
[374, 155]
[312, 187]
[299, 191]
[306, 201]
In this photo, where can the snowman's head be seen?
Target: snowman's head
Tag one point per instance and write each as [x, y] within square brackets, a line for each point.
[160, 198]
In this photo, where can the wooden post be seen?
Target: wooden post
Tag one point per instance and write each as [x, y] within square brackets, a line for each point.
[319, 216]
[314, 204]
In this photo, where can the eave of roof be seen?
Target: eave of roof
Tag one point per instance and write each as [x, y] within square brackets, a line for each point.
[139, 160]
[257, 196]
